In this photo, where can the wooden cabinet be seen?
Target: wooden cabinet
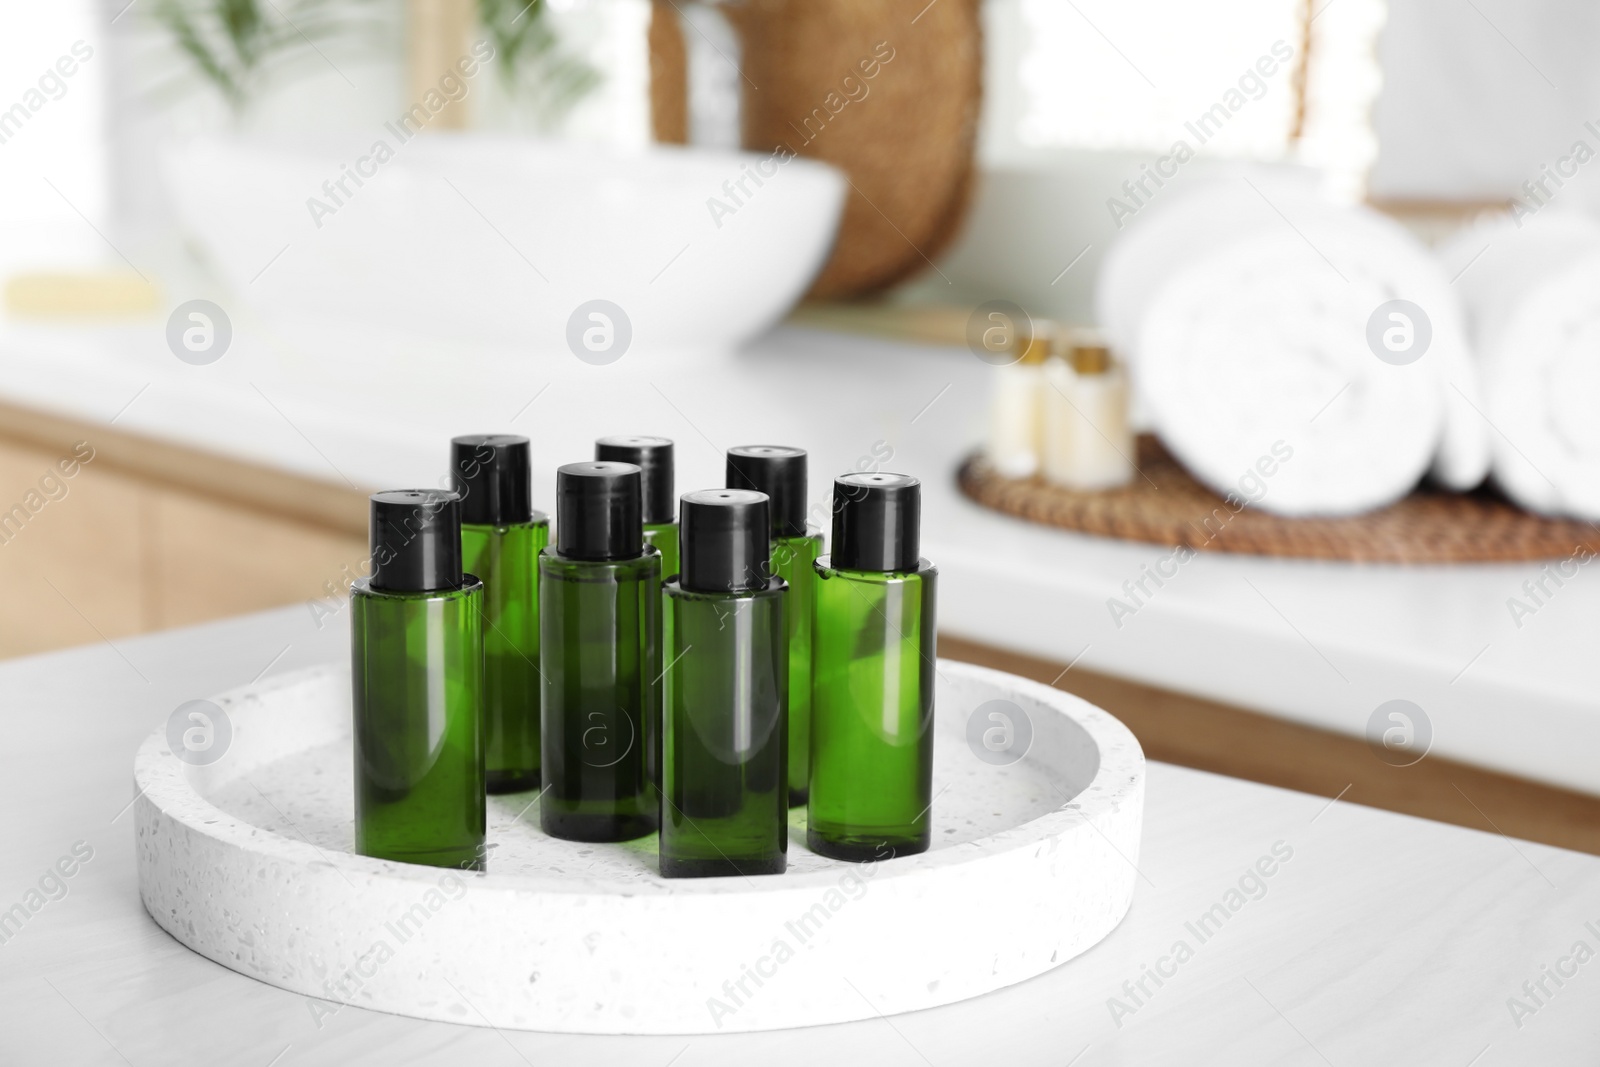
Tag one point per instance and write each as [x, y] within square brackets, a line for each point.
[72, 570]
[206, 560]
[143, 536]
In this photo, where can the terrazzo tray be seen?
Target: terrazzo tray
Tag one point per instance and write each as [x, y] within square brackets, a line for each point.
[246, 860]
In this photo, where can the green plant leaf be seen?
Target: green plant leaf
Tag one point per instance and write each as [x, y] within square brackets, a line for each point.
[232, 43]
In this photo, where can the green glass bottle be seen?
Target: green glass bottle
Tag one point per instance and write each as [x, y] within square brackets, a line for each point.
[725, 734]
[663, 537]
[653, 457]
[599, 643]
[873, 651]
[780, 472]
[417, 677]
[501, 538]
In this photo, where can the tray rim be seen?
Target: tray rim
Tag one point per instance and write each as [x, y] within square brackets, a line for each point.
[163, 785]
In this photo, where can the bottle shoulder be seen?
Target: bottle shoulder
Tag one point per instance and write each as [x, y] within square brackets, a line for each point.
[811, 538]
[646, 564]
[540, 521]
[776, 587]
[793, 555]
[470, 585]
[925, 571]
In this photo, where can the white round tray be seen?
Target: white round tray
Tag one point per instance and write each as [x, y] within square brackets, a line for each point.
[247, 861]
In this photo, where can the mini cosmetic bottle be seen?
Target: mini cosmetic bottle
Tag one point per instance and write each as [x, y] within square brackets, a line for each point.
[599, 639]
[1015, 410]
[725, 736]
[653, 457]
[501, 538]
[417, 700]
[872, 676]
[780, 473]
[1087, 440]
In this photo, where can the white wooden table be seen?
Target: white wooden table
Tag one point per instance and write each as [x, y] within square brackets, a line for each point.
[1376, 938]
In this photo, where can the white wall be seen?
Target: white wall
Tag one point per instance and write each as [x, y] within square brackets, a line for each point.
[53, 126]
[1478, 95]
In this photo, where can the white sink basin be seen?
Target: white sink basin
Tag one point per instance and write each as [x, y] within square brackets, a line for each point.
[499, 239]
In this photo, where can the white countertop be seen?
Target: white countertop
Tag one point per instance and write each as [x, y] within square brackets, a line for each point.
[1319, 643]
[1376, 938]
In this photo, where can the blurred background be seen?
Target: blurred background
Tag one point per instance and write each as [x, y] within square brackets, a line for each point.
[1307, 288]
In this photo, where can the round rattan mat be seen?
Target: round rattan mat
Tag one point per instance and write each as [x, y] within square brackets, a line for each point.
[1166, 506]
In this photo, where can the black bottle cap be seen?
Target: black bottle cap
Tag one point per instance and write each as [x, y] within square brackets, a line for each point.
[597, 511]
[877, 520]
[725, 541]
[778, 471]
[491, 474]
[416, 541]
[653, 457]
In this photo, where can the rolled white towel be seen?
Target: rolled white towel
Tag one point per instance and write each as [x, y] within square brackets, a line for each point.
[1243, 311]
[1532, 294]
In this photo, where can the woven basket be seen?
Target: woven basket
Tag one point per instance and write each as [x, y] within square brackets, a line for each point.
[904, 134]
[1165, 506]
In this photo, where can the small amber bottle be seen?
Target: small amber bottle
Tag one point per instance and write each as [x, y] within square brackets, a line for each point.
[1016, 407]
[1088, 443]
